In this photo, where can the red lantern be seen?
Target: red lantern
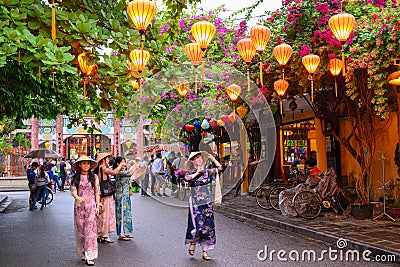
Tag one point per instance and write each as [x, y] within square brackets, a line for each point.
[213, 123]
[189, 127]
[225, 119]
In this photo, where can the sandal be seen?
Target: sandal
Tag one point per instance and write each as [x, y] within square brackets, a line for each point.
[192, 248]
[89, 263]
[128, 236]
[125, 238]
[205, 256]
[106, 240]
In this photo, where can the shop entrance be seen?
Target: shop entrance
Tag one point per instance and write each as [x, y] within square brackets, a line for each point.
[86, 145]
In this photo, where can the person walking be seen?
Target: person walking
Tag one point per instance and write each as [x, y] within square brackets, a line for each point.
[158, 171]
[41, 180]
[145, 182]
[63, 173]
[201, 228]
[123, 207]
[106, 220]
[85, 188]
[31, 175]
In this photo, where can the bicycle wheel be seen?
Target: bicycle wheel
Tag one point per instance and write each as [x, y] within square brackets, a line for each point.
[307, 204]
[274, 196]
[49, 197]
[262, 195]
[345, 197]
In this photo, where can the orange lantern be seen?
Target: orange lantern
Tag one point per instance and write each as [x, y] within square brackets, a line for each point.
[247, 51]
[141, 13]
[233, 116]
[342, 25]
[183, 88]
[135, 84]
[242, 111]
[139, 58]
[86, 69]
[195, 54]
[233, 91]
[335, 67]
[280, 87]
[394, 78]
[260, 35]
[282, 54]
[203, 32]
[311, 63]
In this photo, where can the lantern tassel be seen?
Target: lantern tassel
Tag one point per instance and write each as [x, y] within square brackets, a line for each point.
[195, 82]
[202, 70]
[261, 74]
[335, 87]
[248, 80]
[344, 64]
[53, 22]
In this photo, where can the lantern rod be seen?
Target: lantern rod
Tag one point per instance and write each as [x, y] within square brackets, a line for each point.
[52, 72]
[335, 87]
[195, 82]
[281, 105]
[261, 73]
[343, 61]
[248, 79]
[283, 73]
[202, 70]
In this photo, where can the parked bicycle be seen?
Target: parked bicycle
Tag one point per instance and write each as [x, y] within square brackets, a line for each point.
[49, 196]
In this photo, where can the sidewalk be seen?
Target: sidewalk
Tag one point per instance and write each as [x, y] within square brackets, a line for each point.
[382, 237]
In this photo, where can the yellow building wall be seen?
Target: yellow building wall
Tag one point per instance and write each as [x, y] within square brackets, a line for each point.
[385, 143]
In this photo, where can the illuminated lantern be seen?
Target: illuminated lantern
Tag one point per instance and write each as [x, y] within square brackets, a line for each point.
[141, 13]
[247, 51]
[47, 145]
[282, 54]
[242, 111]
[128, 144]
[86, 69]
[203, 32]
[135, 84]
[335, 67]
[342, 25]
[195, 54]
[394, 78]
[280, 87]
[311, 63]
[233, 91]
[183, 88]
[139, 58]
[260, 35]
[189, 127]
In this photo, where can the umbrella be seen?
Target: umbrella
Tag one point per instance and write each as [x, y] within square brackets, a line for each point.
[42, 153]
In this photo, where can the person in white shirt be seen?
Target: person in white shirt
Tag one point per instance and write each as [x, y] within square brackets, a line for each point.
[158, 171]
[145, 181]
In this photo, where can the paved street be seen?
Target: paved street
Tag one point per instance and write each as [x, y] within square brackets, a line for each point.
[45, 238]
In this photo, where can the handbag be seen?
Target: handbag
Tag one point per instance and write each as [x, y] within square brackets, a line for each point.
[218, 192]
[107, 188]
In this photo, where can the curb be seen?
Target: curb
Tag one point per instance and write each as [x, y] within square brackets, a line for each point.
[303, 231]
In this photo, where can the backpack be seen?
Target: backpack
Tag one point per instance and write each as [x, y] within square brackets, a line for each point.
[107, 188]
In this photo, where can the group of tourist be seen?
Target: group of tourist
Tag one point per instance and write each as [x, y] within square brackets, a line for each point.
[98, 212]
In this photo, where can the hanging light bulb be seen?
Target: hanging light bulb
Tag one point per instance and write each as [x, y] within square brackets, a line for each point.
[260, 35]
[280, 87]
[282, 54]
[247, 51]
[311, 63]
[335, 67]
[342, 25]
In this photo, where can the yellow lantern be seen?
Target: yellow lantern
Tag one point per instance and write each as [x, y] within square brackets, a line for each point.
[242, 111]
[135, 84]
[282, 54]
[128, 144]
[86, 69]
[183, 88]
[139, 58]
[141, 13]
[47, 145]
[394, 78]
[203, 32]
[280, 87]
[220, 123]
[311, 63]
[335, 67]
[342, 25]
[233, 91]
[247, 51]
[195, 54]
[260, 35]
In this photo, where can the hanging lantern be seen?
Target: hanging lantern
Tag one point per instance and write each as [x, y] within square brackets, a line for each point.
[195, 54]
[280, 87]
[311, 63]
[394, 78]
[135, 84]
[128, 144]
[141, 13]
[220, 123]
[233, 116]
[203, 32]
[47, 145]
[183, 88]
[282, 54]
[86, 69]
[196, 123]
[213, 123]
[260, 35]
[139, 58]
[205, 125]
[189, 127]
[342, 25]
[335, 67]
[247, 51]
[242, 111]
[233, 91]
[225, 119]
